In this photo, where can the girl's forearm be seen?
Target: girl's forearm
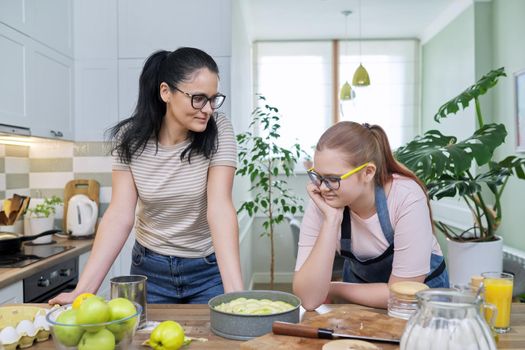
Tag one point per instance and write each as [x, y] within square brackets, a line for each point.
[312, 282]
[368, 294]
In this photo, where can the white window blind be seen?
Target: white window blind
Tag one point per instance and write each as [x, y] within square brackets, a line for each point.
[296, 78]
[391, 100]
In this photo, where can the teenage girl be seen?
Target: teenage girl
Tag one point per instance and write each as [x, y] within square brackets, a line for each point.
[374, 212]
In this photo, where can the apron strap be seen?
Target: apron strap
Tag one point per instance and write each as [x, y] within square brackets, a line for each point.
[382, 213]
[438, 271]
[384, 221]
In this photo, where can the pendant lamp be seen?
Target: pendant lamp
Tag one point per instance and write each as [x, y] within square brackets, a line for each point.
[347, 93]
[361, 77]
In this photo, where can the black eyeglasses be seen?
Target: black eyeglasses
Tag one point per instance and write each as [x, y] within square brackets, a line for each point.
[332, 182]
[198, 101]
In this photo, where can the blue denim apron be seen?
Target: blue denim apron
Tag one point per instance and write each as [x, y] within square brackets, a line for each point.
[378, 269]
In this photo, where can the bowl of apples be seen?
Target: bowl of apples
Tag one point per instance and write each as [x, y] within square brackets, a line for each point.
[94, 324]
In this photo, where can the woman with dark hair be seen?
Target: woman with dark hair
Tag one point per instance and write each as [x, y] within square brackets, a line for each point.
[175, 157]
[374, 212]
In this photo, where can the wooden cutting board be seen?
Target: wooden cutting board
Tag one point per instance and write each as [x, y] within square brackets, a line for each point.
[90, 188]
[346, 319]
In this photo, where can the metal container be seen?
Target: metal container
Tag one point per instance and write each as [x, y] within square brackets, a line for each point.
[245, 327]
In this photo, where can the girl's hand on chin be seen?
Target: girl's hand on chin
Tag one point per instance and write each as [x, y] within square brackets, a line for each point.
[328, 211]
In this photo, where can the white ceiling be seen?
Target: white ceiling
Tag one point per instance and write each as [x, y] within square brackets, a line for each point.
[322, 19]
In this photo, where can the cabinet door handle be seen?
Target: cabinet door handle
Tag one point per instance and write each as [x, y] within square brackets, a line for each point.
[57, 133]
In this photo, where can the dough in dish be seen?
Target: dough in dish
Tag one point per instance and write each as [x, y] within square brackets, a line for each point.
[349, 344]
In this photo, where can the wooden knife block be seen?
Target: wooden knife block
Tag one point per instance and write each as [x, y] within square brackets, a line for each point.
[90, 188]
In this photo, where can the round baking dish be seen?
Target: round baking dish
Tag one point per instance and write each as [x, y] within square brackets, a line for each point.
[245, 327]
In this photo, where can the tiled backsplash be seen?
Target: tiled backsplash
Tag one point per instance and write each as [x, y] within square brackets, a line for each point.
[43, 169]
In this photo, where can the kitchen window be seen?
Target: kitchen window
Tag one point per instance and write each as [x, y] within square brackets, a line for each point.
[297, 78]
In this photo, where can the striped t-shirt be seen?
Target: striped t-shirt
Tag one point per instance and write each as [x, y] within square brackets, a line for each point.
[172, 204]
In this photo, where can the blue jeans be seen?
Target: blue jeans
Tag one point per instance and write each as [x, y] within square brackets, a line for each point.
[174, 280]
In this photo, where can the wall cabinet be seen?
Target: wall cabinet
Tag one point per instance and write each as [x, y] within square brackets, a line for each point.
[12, 294]
[144, 27]
[47, 22]
[36, 89]
[96, 68]
[69, 69]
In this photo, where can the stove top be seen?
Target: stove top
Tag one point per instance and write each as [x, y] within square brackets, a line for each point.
[31, 254]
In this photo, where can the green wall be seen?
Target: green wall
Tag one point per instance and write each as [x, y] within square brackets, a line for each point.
[485, 36]
[447, 68]
[509, 51]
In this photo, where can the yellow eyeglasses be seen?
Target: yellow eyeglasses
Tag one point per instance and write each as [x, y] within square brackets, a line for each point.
[332, 182]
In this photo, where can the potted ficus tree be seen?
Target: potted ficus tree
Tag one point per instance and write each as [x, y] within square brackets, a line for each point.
[466, 168]
[268, 165]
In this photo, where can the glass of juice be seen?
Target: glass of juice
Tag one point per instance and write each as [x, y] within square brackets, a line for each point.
[498, 292]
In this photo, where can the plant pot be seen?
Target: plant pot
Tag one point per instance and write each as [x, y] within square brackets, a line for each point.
[466, 259]
[34, 226]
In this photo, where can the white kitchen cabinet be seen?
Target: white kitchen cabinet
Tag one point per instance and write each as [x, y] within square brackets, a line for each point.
[49, 82]
[37, 90]
[128, 85]
[13, 99]
[145, 27]
[47, 22]
[96, 105]
[12, 294]
[96, 68]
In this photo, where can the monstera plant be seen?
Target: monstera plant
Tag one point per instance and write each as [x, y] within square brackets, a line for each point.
[448, 166]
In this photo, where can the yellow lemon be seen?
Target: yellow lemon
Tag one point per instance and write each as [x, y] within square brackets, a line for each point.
[79, 299]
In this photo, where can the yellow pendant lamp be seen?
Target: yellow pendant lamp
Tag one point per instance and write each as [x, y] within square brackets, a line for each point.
[347, 93]
[361, 77]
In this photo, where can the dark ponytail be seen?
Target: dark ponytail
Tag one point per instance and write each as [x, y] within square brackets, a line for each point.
[132, 134]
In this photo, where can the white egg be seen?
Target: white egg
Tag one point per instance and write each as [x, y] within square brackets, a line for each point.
[9, 335]
[26, 327]
[41, 323]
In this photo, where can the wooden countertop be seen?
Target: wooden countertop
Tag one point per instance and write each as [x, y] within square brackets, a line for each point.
[196, 322]
[11, 275]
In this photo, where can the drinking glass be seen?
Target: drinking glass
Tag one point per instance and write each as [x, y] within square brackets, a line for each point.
[498, 292]
[133, 288]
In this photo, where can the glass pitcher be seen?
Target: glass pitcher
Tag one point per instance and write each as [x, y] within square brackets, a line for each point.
[448, 319]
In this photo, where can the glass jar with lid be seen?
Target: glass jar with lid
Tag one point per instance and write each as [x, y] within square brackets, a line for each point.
[448, 319]
[402, 302]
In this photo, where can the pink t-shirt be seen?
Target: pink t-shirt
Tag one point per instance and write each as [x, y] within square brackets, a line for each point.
[409, 216]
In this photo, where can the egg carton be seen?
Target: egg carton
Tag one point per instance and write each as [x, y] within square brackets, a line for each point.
[22, 325]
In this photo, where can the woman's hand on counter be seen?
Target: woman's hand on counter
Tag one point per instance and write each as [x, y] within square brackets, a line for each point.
[64, 298]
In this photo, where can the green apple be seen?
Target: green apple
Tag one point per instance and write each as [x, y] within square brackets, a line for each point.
[120, 308]
[93, 310]
[168, 335]
[68, 335]
[101, 340]
[119, 335]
